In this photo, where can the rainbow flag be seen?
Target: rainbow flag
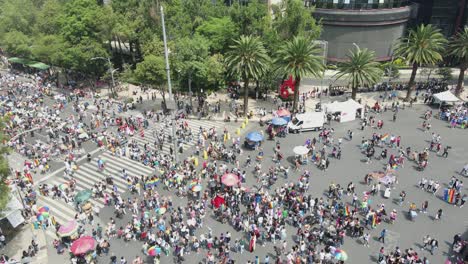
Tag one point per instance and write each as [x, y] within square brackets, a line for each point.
[374, 220]
[449, 195]
[384, 137]
[346, 211]
[151, 182]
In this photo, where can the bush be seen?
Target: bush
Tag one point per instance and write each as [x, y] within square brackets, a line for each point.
[445, 74]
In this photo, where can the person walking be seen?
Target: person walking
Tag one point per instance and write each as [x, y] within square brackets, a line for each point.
[424, 206]
[382, 236]
[438, 215]
[445, 153]
[434, 245]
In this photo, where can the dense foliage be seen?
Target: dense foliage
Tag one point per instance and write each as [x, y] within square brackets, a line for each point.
[68, 34]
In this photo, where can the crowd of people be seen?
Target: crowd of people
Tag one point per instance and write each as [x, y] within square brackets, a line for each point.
[262, 215]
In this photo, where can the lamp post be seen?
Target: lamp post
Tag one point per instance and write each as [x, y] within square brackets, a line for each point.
[111, 71]
[169, 87]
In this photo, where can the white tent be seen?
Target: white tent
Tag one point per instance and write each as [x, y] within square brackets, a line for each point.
[347, 110]
[446, 96]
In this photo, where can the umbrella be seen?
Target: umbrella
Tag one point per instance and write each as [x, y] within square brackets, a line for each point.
[82, 245]
[161, 210]
[42, 216]
[254, 136]
[153, 251]
[230, 179]
[283, 112]
[83, 196]
[68, 229]
[341, 255]
[300, 150]
[64, 186]
[277, 121]
[196, 188]
[218, 201]
[43, 209]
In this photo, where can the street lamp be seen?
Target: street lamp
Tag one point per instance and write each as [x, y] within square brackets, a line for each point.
[111, 70]
[169, 87]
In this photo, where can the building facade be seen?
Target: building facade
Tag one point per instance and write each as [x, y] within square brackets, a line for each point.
[372, 24]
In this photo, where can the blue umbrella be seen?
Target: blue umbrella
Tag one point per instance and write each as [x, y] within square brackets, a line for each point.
[278, 121]
[254, 136]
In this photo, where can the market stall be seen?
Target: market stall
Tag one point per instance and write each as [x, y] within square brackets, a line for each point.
[301, 153]
[253, 140]
[277, 127]
[283, 113]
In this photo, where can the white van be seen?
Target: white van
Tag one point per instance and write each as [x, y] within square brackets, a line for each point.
[311, 121]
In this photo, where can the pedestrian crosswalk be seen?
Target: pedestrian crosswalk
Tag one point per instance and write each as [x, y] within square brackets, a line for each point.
[86, 176]
[150, 134]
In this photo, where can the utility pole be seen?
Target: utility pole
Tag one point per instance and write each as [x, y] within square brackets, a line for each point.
[171, 100]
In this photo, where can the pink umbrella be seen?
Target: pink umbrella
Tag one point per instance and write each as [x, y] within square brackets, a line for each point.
[82, 245]
[230, 179]
[283, 112]
[68, 229]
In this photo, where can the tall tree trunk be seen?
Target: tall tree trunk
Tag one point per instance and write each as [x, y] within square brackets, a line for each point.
[461, 79]
[246, 96]
[296, 93]
[354, 90]
[411, 81]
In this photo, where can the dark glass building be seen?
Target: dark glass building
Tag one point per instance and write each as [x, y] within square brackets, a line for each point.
[372, 24]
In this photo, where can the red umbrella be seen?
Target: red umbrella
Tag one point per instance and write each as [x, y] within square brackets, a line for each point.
[283, 112]
[218, 201]
[82, 245]
[230, 179]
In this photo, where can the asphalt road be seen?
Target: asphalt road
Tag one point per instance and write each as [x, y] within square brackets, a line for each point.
[403, 233]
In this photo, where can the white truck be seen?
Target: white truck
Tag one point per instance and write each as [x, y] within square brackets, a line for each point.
[311, 121]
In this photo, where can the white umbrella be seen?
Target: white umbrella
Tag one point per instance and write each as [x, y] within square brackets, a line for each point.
[300, 150]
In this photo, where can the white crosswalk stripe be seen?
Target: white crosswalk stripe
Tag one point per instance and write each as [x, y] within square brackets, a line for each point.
[193, 124]
[86, 176]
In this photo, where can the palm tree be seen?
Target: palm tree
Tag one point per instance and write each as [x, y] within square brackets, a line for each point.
[458, 48]
[423, 46]
[248, 59]
[300, 57]
[360, 69]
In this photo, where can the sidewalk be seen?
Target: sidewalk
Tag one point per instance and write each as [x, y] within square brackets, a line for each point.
[21, 241]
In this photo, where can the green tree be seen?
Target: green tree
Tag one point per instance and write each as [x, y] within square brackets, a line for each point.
[219, 31]
[17, 43]
[423, 46]
[300, 57]
[152, 72]
[215, 70]
[292, 19]
[248, 60]
[458, 48]
[189, 61]
[17, 15]
[360, 69]
[252, 18]
[48, 48]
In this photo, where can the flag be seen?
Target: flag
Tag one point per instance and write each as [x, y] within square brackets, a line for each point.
[374, 220]
[346, 211]
[384, 137]
[449, 195]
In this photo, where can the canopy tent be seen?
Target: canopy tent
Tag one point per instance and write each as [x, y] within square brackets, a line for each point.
[347, 109]
[29, 63]
[446, 96]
